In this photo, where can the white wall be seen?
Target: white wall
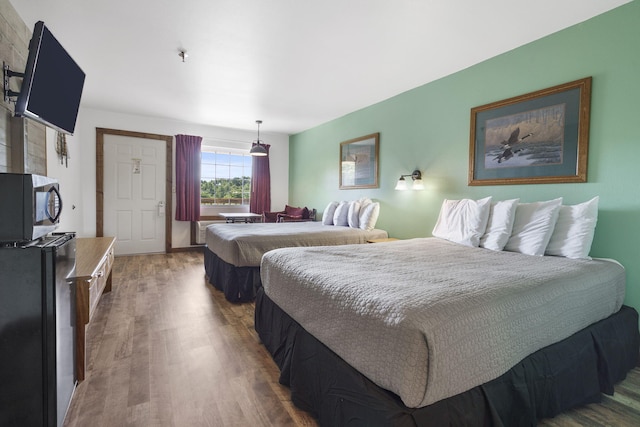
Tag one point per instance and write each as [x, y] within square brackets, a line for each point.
[70, 181]
[78, 180]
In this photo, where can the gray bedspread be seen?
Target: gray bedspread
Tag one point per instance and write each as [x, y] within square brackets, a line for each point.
[243, 245]
[429, 319]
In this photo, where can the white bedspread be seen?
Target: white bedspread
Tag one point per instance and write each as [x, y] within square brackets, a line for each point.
[428, 319]
[243, 245]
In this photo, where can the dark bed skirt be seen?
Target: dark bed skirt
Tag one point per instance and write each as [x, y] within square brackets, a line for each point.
[239, 284]
[564, 375]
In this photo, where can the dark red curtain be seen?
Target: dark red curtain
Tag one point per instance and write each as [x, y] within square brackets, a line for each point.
[260, 183]
[188, 177]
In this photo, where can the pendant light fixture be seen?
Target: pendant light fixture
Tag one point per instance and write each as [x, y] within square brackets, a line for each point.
[258, 149]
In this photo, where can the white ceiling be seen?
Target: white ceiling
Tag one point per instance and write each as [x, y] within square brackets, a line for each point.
[294, 64]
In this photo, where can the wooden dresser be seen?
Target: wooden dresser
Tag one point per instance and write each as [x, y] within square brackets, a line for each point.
[94, 259]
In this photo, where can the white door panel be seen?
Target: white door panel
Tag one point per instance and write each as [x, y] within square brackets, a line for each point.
[134, 188]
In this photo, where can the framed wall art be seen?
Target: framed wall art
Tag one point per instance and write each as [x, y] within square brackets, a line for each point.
[359, 162]
[539, 137]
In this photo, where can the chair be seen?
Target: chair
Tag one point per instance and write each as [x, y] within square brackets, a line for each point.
[290, 214]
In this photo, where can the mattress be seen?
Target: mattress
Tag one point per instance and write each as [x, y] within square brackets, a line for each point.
[428, 319]
[243, 245]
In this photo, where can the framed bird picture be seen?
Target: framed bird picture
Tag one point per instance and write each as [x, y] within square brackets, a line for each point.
[537, 138]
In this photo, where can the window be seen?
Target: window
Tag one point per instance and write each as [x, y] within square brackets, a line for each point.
[225, 177]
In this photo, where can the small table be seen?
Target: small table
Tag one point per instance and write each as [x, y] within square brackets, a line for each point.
[241, 217]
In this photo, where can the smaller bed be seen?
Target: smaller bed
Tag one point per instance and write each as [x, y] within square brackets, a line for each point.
[233, 251]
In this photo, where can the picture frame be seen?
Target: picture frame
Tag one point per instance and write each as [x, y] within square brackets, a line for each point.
[538, 138]
[359, 162]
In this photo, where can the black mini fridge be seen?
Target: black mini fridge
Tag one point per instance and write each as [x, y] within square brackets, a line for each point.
[37, 331]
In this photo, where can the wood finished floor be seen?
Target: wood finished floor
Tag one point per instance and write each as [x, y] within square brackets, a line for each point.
[166, 349]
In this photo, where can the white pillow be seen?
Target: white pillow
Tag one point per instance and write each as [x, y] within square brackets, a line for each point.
[364, 201]
[369, 216]
[533, 226]
[340, 216]
[354, 214]
[499, 225]
[327, 215]
[573, 234]
[463, 221]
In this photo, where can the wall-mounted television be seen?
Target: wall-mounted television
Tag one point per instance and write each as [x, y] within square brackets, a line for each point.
[52, 83]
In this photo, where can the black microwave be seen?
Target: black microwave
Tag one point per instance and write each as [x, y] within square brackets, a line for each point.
[30, 206]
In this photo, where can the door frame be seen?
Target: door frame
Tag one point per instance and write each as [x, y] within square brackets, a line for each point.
[168, 140]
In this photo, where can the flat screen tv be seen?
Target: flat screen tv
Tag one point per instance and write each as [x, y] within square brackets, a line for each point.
[52, 83]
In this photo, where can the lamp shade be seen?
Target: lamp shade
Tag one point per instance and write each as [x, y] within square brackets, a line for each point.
[402, 184]
[417, 185]
[258, 150]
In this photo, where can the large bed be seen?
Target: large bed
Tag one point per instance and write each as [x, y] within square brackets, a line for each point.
[233, 251]
[430, 332]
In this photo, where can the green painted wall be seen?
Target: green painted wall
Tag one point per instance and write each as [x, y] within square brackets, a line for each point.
[428, 128]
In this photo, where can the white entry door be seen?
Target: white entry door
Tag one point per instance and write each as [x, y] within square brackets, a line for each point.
[134, 191]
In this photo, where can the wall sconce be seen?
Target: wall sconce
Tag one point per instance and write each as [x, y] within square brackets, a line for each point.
[416, 176]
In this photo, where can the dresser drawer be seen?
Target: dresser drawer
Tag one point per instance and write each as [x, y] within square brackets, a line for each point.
[99, 281]
[109, 259]
[94, 261]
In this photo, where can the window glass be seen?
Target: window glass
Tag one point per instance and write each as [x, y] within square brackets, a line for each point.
[225, 177]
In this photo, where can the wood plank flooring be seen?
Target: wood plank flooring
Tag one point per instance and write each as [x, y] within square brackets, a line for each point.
[166, 349]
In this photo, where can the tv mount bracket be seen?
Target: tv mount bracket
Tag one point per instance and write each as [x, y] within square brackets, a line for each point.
[8, 93]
